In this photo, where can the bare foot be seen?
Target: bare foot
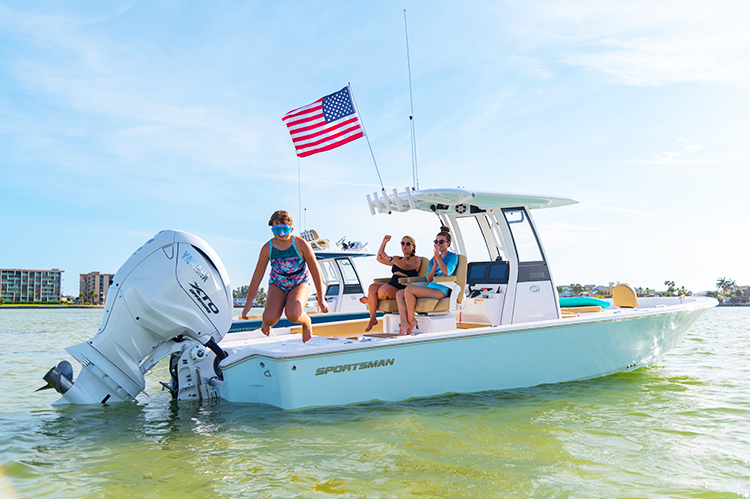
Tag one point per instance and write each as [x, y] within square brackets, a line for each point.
[405, 328]
[408, 329]
[265, 329]
[363, 300]
[372, 324]
[306, 333]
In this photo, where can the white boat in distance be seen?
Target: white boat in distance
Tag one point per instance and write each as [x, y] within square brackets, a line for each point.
[502, 326]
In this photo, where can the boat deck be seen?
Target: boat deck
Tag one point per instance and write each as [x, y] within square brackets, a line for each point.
[346, 336]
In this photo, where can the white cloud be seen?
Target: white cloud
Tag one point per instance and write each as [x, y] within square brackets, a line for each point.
[680, 156]
[644, 42]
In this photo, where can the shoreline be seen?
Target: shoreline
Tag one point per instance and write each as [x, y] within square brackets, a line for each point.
[50, 306]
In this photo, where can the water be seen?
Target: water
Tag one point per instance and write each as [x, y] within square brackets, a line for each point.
[679, 429]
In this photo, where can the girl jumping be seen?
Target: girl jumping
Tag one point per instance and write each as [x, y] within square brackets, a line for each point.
[288, 289]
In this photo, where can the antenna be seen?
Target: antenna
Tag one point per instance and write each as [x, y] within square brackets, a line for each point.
[299, 190]
[415, 172]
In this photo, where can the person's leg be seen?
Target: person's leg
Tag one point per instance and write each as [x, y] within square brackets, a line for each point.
[275, 300]
[296, 300]
[372, 289]
[411, 295]
[382, 292]
[372, 302]
[387, 292]
[401, 300]
[410, 303]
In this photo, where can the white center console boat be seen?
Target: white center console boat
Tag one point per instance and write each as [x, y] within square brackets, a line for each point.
[501, 327]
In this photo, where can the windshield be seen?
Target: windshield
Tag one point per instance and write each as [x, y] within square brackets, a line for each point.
[347, 270]
[526, 243]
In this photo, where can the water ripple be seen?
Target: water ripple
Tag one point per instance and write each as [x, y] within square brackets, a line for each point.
[678, 429]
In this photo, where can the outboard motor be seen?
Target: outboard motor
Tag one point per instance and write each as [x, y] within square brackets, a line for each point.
[171, 297]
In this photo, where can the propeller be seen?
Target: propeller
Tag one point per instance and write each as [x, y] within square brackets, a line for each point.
[60, 377]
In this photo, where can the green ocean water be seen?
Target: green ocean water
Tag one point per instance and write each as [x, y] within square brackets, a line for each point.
[678, 429]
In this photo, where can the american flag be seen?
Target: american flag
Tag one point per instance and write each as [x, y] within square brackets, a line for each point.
[325, 124]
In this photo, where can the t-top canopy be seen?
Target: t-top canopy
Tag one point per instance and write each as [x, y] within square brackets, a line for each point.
[457, 200]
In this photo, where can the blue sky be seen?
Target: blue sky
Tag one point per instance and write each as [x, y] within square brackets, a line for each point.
[120, 119]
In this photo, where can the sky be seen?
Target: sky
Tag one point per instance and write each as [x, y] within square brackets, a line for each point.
[120, 119]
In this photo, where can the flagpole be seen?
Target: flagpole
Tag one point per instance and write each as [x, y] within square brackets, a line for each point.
[299, 190]
[364, 132]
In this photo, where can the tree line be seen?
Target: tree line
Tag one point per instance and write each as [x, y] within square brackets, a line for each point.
[260, 295]
[725, 288]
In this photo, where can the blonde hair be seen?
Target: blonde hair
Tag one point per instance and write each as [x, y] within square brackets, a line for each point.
[280, 217]
[413, 245]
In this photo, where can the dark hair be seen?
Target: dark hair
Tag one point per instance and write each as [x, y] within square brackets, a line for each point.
[280, 217]
[446, 233]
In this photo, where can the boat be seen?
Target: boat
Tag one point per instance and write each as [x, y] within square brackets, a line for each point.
[502, 327]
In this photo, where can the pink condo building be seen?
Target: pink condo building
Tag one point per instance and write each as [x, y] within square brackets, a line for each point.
[96, 282]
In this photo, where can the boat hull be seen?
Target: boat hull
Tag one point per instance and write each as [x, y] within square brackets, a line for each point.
[492, 358]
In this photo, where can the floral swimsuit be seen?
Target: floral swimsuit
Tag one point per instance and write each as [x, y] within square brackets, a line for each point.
[288, 268]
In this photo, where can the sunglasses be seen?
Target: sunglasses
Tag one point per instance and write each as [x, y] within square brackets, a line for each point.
[405, 243]
[440, 241]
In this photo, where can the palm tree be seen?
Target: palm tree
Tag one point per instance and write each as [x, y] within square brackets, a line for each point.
[725, 285]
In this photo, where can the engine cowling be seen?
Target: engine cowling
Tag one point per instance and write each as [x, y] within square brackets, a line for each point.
[173, 289]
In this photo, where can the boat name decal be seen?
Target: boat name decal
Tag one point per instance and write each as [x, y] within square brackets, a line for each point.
[193, 263]
[203, 298]
[353, 367]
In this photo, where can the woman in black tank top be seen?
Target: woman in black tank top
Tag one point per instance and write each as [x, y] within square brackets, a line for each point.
[401, 266]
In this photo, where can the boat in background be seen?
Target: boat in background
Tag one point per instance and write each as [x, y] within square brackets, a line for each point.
[501, 326]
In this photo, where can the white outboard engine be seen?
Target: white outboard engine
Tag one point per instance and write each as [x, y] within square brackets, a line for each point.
[172, 296]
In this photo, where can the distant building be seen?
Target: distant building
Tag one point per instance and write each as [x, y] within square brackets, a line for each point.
[96, 282]
[741, 294]
[30, 286]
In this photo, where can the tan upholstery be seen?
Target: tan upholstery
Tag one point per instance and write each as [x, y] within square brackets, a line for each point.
[388, 306]
[316, 242]
[625, 296]
[391, 305]
[580, 310]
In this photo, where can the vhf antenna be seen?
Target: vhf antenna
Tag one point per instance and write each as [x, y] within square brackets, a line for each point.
[415, 172]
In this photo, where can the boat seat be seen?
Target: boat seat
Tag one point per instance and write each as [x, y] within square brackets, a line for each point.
[316, 242]
[392, 305]
[456, 282]
[624, 296]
